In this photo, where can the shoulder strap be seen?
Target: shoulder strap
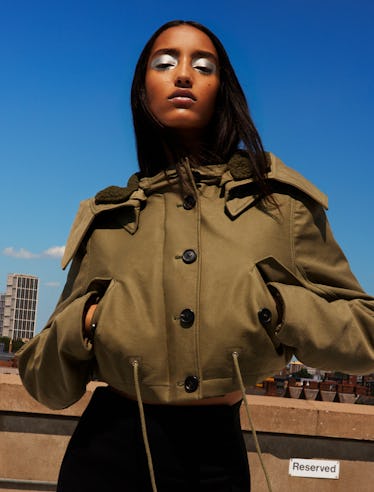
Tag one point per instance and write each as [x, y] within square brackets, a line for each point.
[284, 174]
[81, 224]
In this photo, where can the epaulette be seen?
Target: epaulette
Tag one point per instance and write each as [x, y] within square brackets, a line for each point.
[103, 200]
[118, 194]
[241, 172]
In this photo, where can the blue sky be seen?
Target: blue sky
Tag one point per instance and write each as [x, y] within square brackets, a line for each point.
[65, 122]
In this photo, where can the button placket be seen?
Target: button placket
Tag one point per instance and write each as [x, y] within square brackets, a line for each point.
[184, 273]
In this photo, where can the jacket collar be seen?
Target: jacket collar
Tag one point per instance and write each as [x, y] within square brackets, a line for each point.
[236, 173]
[238, 168]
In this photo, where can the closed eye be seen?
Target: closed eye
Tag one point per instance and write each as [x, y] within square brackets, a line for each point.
[204, 66]
[164, 62]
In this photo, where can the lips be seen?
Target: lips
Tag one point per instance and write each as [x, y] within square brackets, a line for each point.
[181, 94]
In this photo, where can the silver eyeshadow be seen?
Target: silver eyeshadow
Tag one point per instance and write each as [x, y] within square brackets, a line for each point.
[168, 62]
[204, 65]
[164, 62]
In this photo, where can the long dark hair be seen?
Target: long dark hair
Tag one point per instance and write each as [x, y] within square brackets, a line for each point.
[231, 124]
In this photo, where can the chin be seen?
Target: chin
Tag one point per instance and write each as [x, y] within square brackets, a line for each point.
[185, 124]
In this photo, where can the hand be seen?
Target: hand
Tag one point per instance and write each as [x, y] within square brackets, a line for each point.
[88, 320]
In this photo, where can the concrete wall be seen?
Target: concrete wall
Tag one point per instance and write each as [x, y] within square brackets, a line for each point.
[33, 440]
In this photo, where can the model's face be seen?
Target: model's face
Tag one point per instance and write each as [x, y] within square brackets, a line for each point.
[182, 80]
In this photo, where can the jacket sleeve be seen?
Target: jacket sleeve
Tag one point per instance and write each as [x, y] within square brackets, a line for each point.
[56, 364]
[327, 317]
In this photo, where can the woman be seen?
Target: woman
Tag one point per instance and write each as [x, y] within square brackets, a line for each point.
[213, 266]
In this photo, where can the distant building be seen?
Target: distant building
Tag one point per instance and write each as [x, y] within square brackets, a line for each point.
[18, 307]
[2, 304]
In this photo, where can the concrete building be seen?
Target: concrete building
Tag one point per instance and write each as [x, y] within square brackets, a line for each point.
[18, 315]
[2, 304]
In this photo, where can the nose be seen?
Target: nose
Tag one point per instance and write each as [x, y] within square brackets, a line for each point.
[183, 76]
[183, 81]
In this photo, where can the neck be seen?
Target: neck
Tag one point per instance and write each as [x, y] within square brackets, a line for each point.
[185, 144]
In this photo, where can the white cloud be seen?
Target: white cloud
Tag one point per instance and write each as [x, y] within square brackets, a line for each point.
[54, 252]
[21, 253]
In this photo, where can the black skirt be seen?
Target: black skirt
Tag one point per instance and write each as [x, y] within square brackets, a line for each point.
[194, 448]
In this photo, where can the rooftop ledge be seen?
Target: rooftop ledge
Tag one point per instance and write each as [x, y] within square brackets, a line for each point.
[270, 414]
[287, 428]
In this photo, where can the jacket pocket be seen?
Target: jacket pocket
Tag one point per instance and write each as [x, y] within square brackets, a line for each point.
[99, 286]
[272, 270]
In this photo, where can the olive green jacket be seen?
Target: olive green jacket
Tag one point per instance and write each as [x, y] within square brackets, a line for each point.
[184, 284]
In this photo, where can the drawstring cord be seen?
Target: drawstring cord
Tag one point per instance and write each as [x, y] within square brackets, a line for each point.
[135, 364]
[235, 357]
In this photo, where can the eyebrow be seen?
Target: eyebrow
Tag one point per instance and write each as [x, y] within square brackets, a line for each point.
[176, 52]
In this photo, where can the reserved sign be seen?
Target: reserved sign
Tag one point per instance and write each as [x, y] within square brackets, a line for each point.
[299, 467]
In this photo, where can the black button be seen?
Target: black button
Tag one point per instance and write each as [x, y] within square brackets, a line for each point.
[191, 383]
[264, 316]
[189, 202]
[187, 318]
[189, 256]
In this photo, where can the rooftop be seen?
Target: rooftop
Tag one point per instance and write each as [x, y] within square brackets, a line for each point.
[33, 440]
